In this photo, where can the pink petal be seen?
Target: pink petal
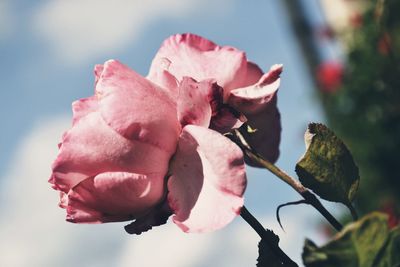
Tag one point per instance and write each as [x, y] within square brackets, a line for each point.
[114, 196]
[136, 108]
[266, 133]
[196, 101]
[63, 200]
[196, 57]
[207, 180]
[253, 74]
[226, 120]
[98, 69]
[272, 75]
[252, 99]
[82, 107]
[92, 147]
[258, 104]
[162, 77]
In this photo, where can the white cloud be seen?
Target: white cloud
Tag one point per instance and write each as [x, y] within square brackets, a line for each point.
[234, 246]
[168, 246]
[32, 228]
[82, 29]
[239, 244]
[6, 19]
[33, 231]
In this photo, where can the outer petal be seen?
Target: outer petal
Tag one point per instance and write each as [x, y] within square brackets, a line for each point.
[254, 98]
[196, 101]
[258, 104]
[113, 196]
[136, 108]
[226, 120]
[82, 107]
[253, 74]
[98, 69]
[164, 78]
[207, 180]
[266, 135]
[196, 57]
[92, 147]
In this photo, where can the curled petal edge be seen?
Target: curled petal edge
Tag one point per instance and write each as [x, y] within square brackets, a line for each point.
[253, 98]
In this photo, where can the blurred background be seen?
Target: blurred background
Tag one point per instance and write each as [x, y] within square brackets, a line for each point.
[341, 67]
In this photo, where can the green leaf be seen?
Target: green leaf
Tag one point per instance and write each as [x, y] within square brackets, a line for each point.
[365, 243]
[389, 256]
[327, 167]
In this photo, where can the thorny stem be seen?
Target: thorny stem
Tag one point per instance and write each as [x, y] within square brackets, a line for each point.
[266, 236]
[310, 198]
[353, 212]
[284, 205]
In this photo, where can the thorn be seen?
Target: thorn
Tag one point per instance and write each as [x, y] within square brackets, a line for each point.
[287, 204]
[352, 211]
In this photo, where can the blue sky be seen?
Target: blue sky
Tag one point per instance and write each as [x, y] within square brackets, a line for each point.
[48, 50]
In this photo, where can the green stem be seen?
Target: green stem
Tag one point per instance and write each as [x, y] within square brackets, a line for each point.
[310, 198]
[266, 236]
[295, 184]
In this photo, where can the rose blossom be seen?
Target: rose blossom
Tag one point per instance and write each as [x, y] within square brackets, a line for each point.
[127, 140]
[245, 88]
[145, 148]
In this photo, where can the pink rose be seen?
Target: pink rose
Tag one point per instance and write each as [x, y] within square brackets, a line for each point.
[135, 146]
[244, 87]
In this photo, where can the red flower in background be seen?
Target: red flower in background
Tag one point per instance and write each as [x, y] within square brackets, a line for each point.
[356, 20]
[384, 44]
[394, 217]
[325, 32]
[330, 76]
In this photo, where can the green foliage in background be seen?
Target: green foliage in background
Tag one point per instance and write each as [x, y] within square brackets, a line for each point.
[365, 111]
[366, 243]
